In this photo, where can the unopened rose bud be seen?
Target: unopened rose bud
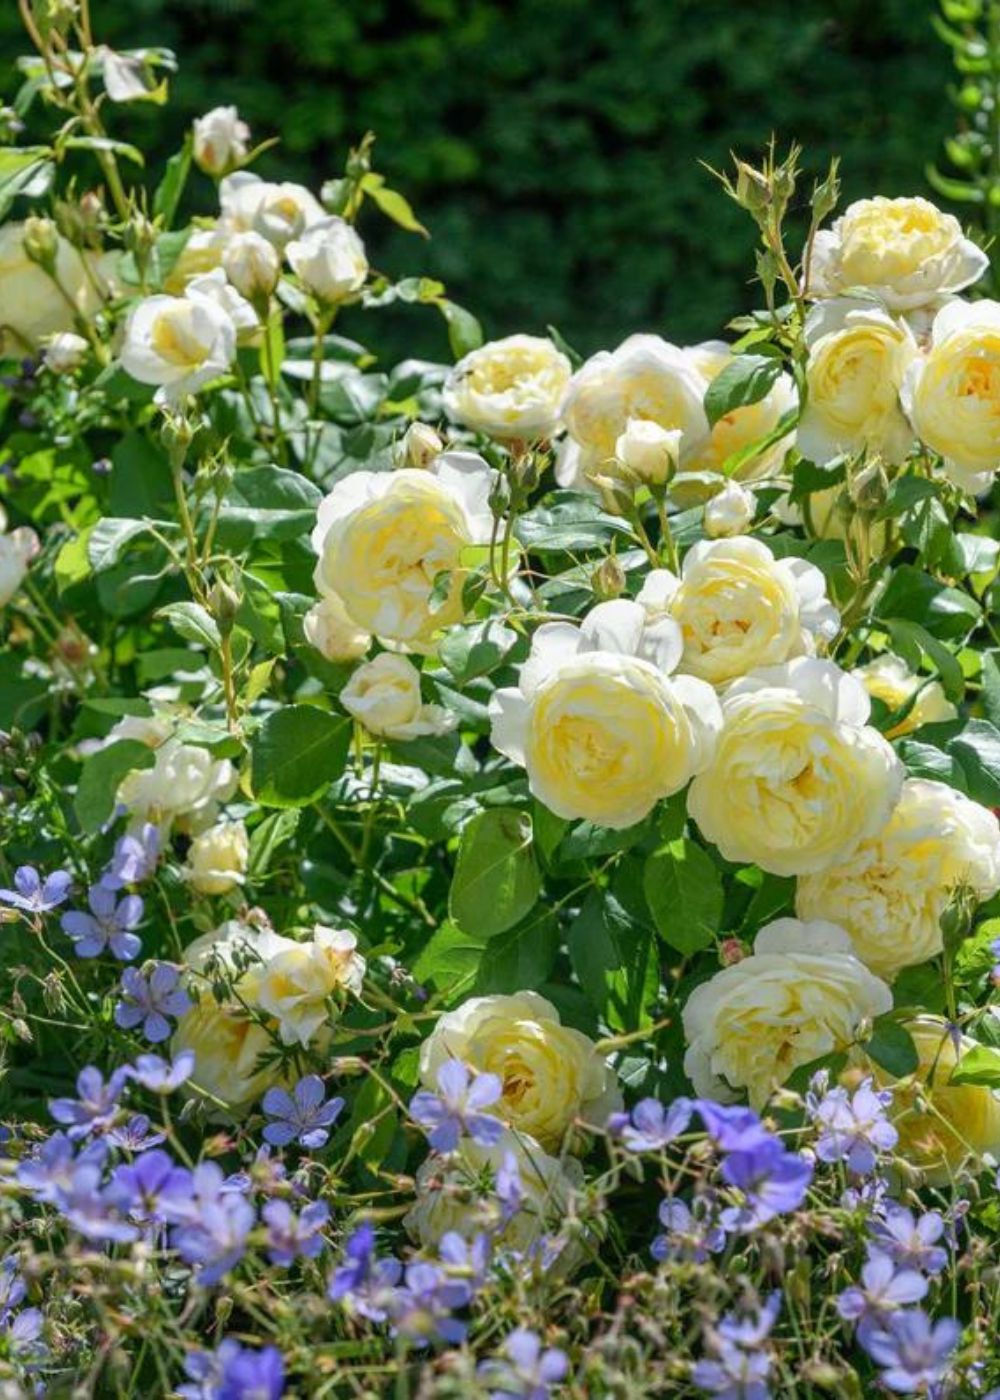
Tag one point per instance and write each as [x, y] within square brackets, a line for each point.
[140, 237]
[91, 209]
[224, 604]
[729, 512]
[752, 191]
[608, 579]
[649, 452]
[41, 242]
[869, 488]
[65, 352]
[252, 265]
[220, 141]
[419, 445]
[330, 261]
[731, 951]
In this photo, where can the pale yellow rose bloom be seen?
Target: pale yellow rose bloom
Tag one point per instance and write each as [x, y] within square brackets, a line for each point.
[551, 1074]
[891, 891]
[295, 985]
[889, 679]
[32, 306]
[858, 357]
[217, 860]
[941, 1126]
[798, 778]
[450, 1192]
[739, 608]
[602, 729]
[184, 787]
[327, 627]
[801, 995]
[741, 427]
[510, 388]
[384, 696]
[952, 393]
[905, 250]
[383, 538]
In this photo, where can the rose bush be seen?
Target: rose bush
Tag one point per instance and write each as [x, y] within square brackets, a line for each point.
[457, 816]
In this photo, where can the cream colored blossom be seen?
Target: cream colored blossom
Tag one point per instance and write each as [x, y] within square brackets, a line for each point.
[384, 696]
[32, 306]
[185, 786]
[220, 140]
[904, 250]
[383, 539]
[647, 452]
[798, 779]
[741, 428]
[252, 264]
[65, 352]
[602, 729]
[510, 388]
[889, 679]
[729, 512]
[178, 343]
[217, 860]
[801, 995]
[739, 608]
[552, 1075]
[952, 393]
[17, 549]
[296, 984]
[328, 628]
[279, 212]
[891, 891]
[330, 261]
[858, 357]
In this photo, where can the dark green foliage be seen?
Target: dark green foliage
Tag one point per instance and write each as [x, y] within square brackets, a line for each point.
[552, 146]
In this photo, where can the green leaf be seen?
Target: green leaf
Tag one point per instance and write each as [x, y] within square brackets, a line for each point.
[267, 837]
[108, 538]
[746, 379]
[464, 331]
[891, 1046]
[101, 777]
[520, 958]
[570, 521]
[916, 597]
[171, 187]
[614, 957]
[683, 889]
[27, 170]
[496, 880]
[907, 635]
[449, 957]
[296, 753]
[268, 503]
[194, 623]
[469, 652]
[981, 1065]
[392, 204]
[977, 749]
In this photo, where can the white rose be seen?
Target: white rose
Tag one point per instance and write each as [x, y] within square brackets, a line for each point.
[858, 357]
[295, 985]
[384, 696]
[889, 679]
[450, 1192]
[252, 265]
[185, 786]
[221, 140]
[551, 1074]
[65, 351]
[952, 393]
[741, 428]
[891, 891]
[646, 377]
[278, 212]
[603, 732]
[178, 344]
[330, 261]
[217, 860]
[32, 307]
[648, 452]
[905, 250]
[419, 445]
[510, 388]
[151, 730]
[801, 995]
[213, 286]
[730, 511]
[328, 628]
[798, 779]
[739, 608]
[384, 537]
[17, 550]
[203, 252]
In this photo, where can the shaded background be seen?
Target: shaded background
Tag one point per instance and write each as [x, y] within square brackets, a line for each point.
[552, 146]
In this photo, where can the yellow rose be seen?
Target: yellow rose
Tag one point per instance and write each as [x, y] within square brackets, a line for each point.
[801, 995]
[905, 250]
[510, 388]
[185, 786]
[294, 986]
[217, 860]
[645, 378]
[32, 307]
[941, 1126]
[730, 511]
[327, 627]
[551, 1074]
[858, 356]
[952, 393]
[891, 891]
[202, 253]
[741, 427]
[888, 678]
[384, 537]
[450, 1192]
[384, 696]
[603, 732]
[738, 607]
[798, 778]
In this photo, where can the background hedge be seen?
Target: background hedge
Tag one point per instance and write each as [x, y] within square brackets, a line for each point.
[552, 146]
